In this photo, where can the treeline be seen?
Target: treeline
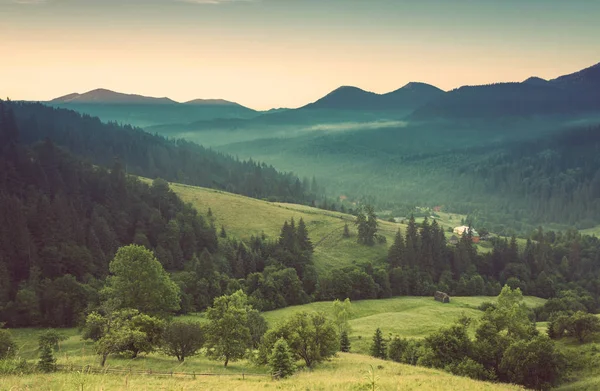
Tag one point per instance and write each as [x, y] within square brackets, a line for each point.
[421, 261]
[154, 156]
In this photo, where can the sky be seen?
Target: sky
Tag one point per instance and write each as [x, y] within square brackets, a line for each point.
[285, 53]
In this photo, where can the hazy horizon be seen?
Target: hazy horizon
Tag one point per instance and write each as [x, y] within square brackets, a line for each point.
[284, 53]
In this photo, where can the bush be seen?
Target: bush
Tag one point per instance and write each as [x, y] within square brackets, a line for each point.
[485, 305]
[397, 348]
[8, 348]
[534, 363]
[470, 368]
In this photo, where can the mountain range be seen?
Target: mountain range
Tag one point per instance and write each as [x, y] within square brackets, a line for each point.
[571, 94]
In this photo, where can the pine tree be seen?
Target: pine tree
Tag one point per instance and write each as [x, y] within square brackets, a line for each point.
[281, 360]
[378, 346]
[344, 342]
[412, 243]
[47, 362]
[302, 237]
[396, 252]
[223, 233]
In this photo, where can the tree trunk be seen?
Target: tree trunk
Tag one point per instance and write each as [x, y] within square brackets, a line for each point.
[226, 361]
[104, 357]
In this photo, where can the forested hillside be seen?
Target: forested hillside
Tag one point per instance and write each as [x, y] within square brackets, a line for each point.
[510, 177]
[63, 219]
[154, 156]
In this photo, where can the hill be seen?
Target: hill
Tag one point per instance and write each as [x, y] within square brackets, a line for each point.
[102, 95]
[151, 155]
[407, 317]
[404, 99]
[575, 94]
[137, 110]
[346, 371]
[243, 217]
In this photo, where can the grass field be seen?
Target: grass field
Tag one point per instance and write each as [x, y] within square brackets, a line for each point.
[346, 372]
[409, 317]
[243, 217]
[591, 231]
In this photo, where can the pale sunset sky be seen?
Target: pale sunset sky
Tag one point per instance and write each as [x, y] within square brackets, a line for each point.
[285, 53]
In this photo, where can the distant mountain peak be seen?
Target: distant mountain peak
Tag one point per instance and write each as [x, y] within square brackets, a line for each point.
[413, 85]
[534, 80]
[102, 95]
[212, 102]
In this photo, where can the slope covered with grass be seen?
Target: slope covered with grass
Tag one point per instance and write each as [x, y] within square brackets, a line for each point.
[407, 317]
[346, 372]
[243, 217]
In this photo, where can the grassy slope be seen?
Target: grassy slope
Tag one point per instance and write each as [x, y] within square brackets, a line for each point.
[409, 317]
[347, 372]
[243, 217]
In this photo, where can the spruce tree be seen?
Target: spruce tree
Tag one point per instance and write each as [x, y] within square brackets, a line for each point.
[47, 362]
[396, 252]
[223, 233]
[302, 236]
[378, 346]
[344, 342]
[281, 360]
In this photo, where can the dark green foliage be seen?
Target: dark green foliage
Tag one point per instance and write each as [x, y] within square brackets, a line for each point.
[448, 346]
[533, 363]
[579, 325]
[378, 347]
[366, 222]
[154, 156]
[406, 351]
[344, 342]
[183, 339]
[8, 348]
[67, 219]
[311, 338]
[471, 368]
[47, 361]
[281, 361]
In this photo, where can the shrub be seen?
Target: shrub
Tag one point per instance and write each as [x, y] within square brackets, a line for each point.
[485, 305]
[470, 368]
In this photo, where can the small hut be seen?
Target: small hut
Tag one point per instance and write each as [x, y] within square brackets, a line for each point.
[441, 297]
